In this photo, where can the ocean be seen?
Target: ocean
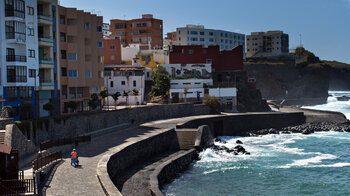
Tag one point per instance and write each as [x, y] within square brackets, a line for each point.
[285, 164]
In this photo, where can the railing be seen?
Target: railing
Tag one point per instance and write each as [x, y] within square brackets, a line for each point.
[45, 160]
[44, 16]
[63, 141]
[16, 187]
[16, 58]
[15, 13]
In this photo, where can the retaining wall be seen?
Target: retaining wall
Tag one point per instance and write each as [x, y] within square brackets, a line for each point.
[84, 123]
[240, 124]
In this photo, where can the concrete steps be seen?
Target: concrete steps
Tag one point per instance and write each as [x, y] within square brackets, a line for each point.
[2, 136]
[186, 138]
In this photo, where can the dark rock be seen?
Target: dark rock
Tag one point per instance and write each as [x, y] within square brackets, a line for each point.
[239, 142]
[343, 98]
[247, 153]
[307, 131]
[239, 149]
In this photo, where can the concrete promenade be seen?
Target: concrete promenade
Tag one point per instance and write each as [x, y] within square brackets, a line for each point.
[68, 180]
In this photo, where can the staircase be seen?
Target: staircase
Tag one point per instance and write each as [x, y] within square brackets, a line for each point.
[186, 138]
[2, 136]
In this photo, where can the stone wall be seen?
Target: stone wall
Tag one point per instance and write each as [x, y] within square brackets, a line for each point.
[80, 124]
[240, 124]
[168, 170]
[17, 140]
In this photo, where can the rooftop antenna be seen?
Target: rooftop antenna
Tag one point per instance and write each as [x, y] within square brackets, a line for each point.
[301, 43]
[124, 16]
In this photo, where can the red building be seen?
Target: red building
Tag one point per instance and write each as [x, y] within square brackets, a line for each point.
[112, 51]
[227, 60]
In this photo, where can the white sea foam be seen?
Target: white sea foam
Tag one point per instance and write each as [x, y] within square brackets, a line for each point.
[307, 162]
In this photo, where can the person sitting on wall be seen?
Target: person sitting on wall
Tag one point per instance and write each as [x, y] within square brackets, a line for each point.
[74, 157]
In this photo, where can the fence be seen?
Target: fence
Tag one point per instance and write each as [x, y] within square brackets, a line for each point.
[15, 187]
[45, 160]
[63, 141]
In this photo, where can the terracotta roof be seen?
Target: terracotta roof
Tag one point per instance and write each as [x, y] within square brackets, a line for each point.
[5, 149]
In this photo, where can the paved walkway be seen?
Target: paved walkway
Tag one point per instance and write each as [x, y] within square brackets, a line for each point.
[68, 180]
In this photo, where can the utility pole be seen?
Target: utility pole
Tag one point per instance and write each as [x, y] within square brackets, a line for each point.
[301, 43]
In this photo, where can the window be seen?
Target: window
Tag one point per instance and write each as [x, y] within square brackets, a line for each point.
[15, 30]
[209, 61]
[63, 54]
[111, 84]
[73, 73]
[112, 47]
[123, 83]
[15, 8]
[31, 31]
[63, 37]
[201, 33]
[64, 91]
[190, 51]
[99, 28]
[112, 57]
[72, 56]
[100, 44]
[30, 11]
[87, 26]
[134, 83]
[194, 33]
[88, 74]
[194, 39]
[64, 72]
[202, 39]
[62, 19]
[16, 74]
[31, 53]
[80, 92]
[120, 26]
[211, 40]
[211, 33]
[32, 73]
[72, 92]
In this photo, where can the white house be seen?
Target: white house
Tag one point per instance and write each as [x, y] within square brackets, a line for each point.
[227, 96]
[121, 78]
[188, 80]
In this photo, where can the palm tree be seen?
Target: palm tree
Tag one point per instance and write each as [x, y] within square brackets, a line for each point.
[103, 94]
[135, 92]
[126, 95]
[116, 96]
[185, 92]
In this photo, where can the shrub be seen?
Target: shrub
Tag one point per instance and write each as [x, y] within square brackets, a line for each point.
[213, 103]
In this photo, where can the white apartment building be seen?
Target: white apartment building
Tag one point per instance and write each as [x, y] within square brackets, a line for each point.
[18, 53]
[267, 44]
[189, 77]
[198, 35]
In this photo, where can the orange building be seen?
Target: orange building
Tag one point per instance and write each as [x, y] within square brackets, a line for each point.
[112, 51]
[146, 30]
[81, 57]
[171, 36]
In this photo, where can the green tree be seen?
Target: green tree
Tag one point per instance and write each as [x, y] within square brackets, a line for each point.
[161, 82]
[93, 102]
[27, 110]
[73, 105]
[116, 96]
[49, 107]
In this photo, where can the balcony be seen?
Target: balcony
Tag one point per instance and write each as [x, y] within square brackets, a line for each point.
[44, 18]
[15, 13]
[46, 83]
[15, 38]
[45, 40]
[16, 58]
[46, 60]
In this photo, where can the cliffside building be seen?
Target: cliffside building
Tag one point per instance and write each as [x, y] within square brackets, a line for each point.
[267, 44]
[81, 57]
[146, 31]
[198, 35]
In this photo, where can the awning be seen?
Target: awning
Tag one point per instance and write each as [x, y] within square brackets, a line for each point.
[5, 149]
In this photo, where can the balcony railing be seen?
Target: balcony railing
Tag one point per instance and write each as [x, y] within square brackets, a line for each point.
[14, 13]
[16, 58]
[45, 16]
[45, 60]
[46, 83]
[18, 36]
[46, 38]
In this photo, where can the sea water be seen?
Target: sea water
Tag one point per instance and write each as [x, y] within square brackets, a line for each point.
[285, 164]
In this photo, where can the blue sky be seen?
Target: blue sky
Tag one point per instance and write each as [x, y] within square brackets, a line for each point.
[324, 25]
